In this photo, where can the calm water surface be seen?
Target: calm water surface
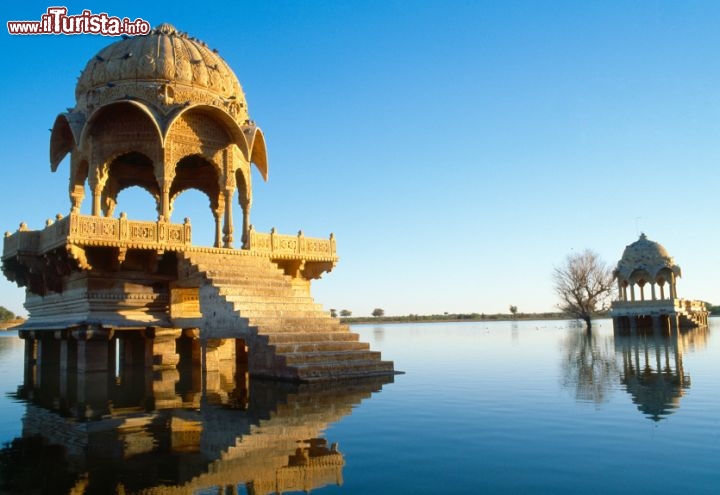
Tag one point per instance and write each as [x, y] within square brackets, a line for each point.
[501, 407]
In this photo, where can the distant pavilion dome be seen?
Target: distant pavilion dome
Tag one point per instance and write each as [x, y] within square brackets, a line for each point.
[647, 297]
[645, 257]
[165, 66]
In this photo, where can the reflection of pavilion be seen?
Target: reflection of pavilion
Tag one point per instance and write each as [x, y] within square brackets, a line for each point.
[647, 292]
[653, 371]
[178, 431]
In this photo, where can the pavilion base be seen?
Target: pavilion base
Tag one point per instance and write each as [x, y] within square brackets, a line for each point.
[659, 317]
[96, 308]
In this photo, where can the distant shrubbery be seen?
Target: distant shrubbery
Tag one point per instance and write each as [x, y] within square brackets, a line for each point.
[714, 310]
[458, 317]
[6, 314]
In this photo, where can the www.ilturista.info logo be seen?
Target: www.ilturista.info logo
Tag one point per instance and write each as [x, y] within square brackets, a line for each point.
[56, 21]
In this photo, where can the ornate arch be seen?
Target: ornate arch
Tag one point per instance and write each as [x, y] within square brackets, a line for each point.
[212, 114]
[64, 138]
[125, 170]
[196, 172]
[89, 129]
[258, 149]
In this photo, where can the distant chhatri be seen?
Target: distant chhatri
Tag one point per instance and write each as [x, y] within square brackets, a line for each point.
[647, 264]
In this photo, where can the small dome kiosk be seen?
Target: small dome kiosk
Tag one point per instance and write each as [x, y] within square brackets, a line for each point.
[647, 292]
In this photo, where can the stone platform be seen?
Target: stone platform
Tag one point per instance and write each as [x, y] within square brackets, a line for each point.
[98, 286]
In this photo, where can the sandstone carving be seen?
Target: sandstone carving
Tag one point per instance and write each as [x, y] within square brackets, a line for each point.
[647, 292]
[165, 113]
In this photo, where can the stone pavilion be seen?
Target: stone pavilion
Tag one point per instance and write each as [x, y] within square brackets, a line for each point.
[647, 292]
[164, 112]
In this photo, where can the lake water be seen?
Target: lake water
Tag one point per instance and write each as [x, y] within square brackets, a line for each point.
[489, 407]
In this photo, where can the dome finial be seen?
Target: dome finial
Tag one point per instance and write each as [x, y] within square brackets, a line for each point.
[643, 236]
[165, 28]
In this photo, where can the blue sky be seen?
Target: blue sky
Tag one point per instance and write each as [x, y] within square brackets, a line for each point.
[459, 150]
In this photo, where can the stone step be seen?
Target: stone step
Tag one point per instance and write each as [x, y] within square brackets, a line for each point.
[244, 278]
[331, 356]
[304, 342]
[267, 324]
[223, 281]
[324, 346]
[323, 371]
[265, 265]
[219, 259]
[281, 314]
[340, 335]
[244, 303]
[265, 294]
[255, 271]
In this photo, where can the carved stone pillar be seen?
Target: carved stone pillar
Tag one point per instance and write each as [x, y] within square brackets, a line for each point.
[77, 194]
[228, 228]
[96, 201]
[162, 347]
[93, 349]
[96, 181]
[68, 353]
[218, 213]
[246, 223]
[165, 202]
[31, 352]
[48, 360]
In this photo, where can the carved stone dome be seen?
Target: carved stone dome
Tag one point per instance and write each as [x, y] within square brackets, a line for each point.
[165, 67]
[647, 256]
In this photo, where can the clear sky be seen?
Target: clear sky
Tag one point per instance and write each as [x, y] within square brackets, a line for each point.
[459, 150]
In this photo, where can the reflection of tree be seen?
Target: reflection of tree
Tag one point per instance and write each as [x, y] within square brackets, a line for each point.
[589, 366]
[9, 343]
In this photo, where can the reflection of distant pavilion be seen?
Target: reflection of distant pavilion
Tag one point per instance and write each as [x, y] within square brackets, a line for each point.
[647, 292]
[653, 371]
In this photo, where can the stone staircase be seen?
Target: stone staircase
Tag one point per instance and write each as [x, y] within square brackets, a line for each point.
[289, 336]
[690, 320]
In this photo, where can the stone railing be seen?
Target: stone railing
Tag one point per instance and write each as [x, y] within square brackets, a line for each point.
[692, 306]
[281, 246]
[678, 305]
[87, 230]
[90, 230]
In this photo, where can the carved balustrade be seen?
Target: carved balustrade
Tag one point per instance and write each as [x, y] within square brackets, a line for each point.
[282, 246]
[87, 230]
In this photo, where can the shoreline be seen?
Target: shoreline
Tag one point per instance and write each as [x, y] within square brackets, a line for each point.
[11, 324]
[352, 320]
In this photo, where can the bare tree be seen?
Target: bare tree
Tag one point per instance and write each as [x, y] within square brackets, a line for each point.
[584, 284]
